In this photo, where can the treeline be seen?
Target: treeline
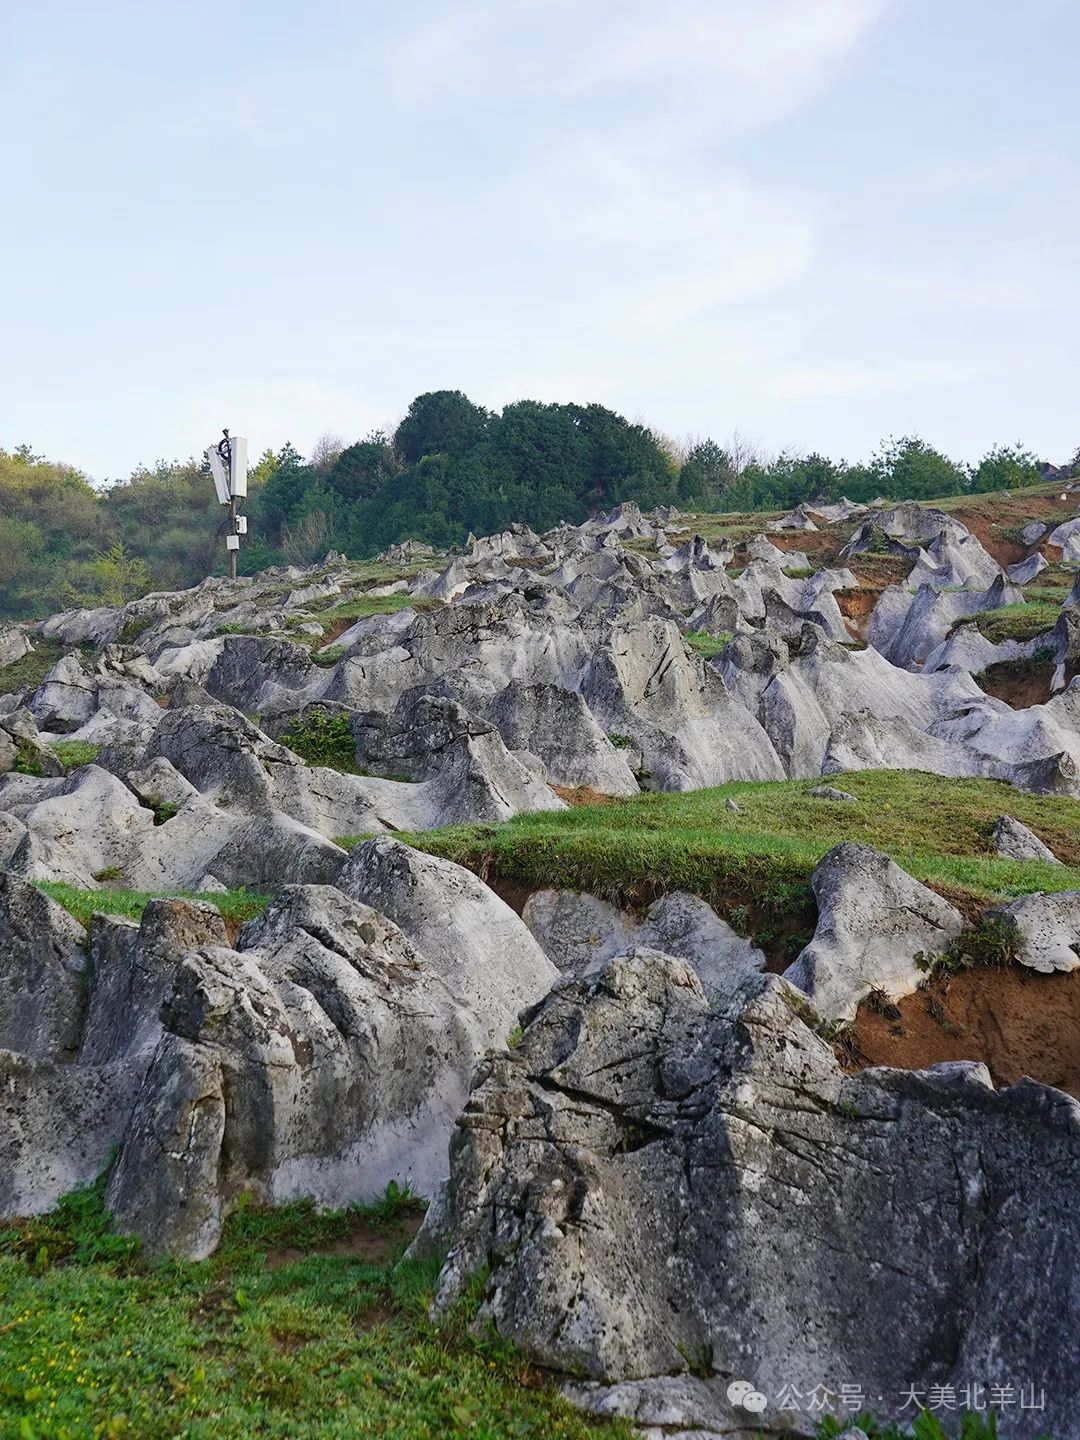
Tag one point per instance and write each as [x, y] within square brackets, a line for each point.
[450, 467]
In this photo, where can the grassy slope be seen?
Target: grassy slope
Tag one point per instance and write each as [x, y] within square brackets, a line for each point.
[937, 829]
[235, 905]
[31, 669]
[96, 1343]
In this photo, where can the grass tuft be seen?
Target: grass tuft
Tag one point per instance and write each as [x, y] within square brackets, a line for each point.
[238, 905]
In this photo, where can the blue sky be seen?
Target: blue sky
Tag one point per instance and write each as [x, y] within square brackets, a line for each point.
[814, 222]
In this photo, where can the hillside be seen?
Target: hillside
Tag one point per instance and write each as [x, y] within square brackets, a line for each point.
[698, 893]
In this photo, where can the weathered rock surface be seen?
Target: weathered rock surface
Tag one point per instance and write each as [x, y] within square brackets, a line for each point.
[1045, 929]
[75, 1056]
[579, 932]
[656, 1187]
[1015, 841]
[323, 1058]
[482, 951]
[42, 973]
[874, 920]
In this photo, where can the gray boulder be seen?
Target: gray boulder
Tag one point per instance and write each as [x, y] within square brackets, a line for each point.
[651, 1187]
[325, 1057]
[580, 932]
[479, 948]
[75, 1061]
[1045, 929]
[1015, 841]
[873, 920]
[14, 644]
[43, 967]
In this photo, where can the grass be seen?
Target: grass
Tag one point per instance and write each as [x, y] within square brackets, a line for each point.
[301, 1326]
[706, 644]
[28, 672]
[361, 606]
[762, 854]
[270, 1338]
[1023, 621]
[73, 753]
[237, 905]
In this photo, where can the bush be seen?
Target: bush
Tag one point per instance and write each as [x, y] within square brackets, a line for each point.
[323, 737]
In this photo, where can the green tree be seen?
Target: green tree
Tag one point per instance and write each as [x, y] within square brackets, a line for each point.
[362, 470]
[1006, 467]
[705, 475]
[442, 422]
[910, 469]
[112, 578]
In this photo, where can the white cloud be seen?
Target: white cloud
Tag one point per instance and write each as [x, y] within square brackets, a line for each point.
[648, 239]
[746, 62]
[900, 377]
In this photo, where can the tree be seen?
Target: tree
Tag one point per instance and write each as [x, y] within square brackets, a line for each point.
[1006, 467]
[363, 469]
[325, 453]
[112, 578]
[282, 498]
[442, 422]
[705, 474]
[910, 469]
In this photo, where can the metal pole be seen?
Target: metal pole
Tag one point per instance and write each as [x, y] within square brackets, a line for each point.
[232, 531]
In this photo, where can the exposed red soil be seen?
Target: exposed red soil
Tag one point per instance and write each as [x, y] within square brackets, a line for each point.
[578, 795]
[1018, 682]
[1015, 1020]
[981, 518]
[337, 627]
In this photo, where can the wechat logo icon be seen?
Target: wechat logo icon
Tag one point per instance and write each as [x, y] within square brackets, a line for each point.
[743, 1394]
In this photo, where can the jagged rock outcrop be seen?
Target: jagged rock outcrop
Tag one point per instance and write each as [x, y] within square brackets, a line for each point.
[79, 1032]
[324, 1057]
[875, 922]
[653, 1187]
[483, 952]
[579, 932]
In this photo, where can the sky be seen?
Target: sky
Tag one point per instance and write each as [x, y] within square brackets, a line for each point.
[814, 223]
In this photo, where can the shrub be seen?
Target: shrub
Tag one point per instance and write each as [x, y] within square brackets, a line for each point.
[323, 737]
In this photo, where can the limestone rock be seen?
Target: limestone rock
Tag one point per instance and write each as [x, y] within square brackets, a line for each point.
[654, 1187]
[480, 949]
[324, 1058]
[1017, 842]
[42, 973]
[873, 920]
[1045, 929]
[579, 932]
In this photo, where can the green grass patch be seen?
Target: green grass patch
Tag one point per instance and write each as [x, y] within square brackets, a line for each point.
[1023, 621]
[706, 644]
[328, 657]
[299, 1326]
[763, 853]
[241, 904]
[136, 626]
[73, 753]
[361, 606]
[28, 672]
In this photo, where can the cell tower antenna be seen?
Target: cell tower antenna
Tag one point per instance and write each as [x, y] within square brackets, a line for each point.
[228, 466]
